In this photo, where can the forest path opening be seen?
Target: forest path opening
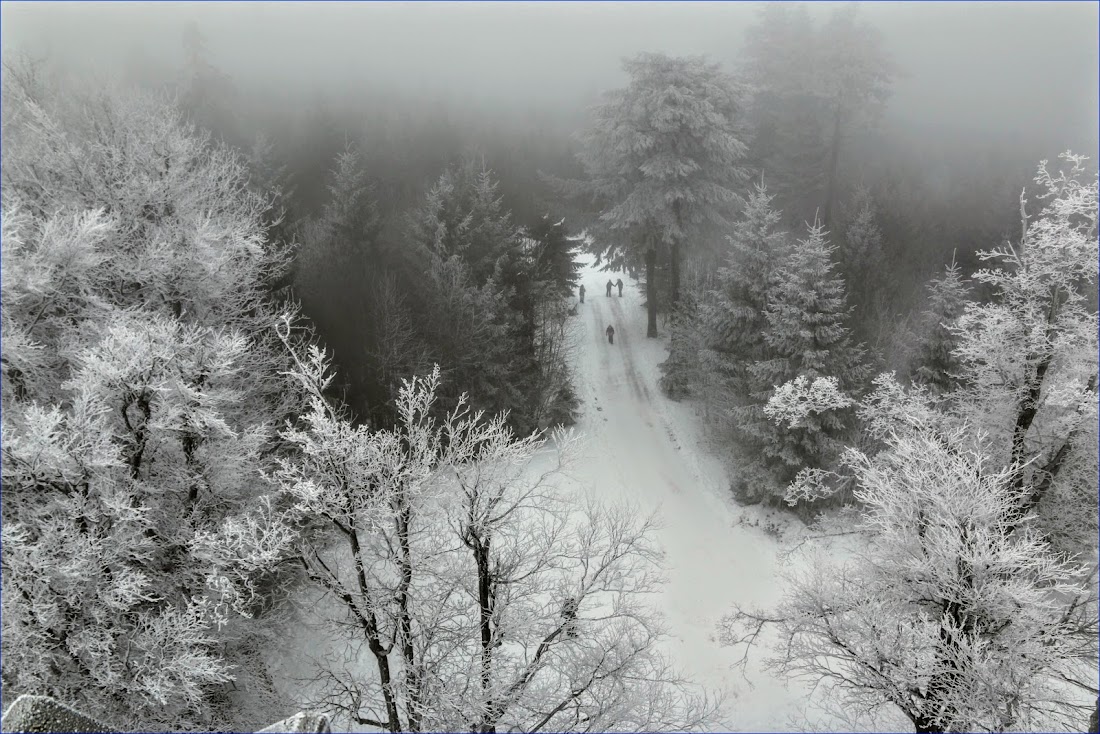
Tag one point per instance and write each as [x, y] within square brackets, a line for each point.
[642, 448]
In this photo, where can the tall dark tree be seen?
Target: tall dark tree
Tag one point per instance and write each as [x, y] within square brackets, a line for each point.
[664, 164]
[814, 88]
[338, 260]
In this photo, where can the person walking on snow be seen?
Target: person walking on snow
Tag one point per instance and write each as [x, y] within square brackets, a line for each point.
[609, 284]
[610, 332]
[582, 294]
[619, 283]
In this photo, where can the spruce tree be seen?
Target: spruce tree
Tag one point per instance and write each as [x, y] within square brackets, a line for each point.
[935, 363]
[860, 255]
[664, 161]
[733, 316]
[338, 258]
[805, 336]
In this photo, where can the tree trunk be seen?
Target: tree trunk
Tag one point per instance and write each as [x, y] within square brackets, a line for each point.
[412, 674]
[650, 291]
[675, 258]
[374, 642]
[485, 602]
[675, 262]
[1094, 719]
[834, 159]
[923, 726]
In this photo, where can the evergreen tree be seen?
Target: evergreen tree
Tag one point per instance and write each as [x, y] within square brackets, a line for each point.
[805, 336]
[815, 85]
[463, 216]
[339, 262]
[936, 364]
[208, 94]
[733, 317]
[478, 282]
[664, 163]
[555, 255]
[860, 255]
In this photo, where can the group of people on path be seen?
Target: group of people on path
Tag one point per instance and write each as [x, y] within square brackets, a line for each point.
[618, 283]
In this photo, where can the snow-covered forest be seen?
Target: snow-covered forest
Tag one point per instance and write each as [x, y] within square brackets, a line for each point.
[561, 367]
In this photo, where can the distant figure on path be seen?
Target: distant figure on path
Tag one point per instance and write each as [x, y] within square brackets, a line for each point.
[609, 284]
[619, 283]
[610, 332]
[582, 294]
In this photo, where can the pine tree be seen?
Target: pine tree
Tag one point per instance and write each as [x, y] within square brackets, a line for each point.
[463, 216]
[555, 255]
[860, 255]
[935, 364]
[815, 85]
[478, 276]
[339, 261]
[664, 161]
[733, 316]
[681, 372]
[805, 336]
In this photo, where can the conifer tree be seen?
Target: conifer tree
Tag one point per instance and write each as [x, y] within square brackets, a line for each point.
[805, 336]
[860, 255]
[935, 364]
[339, 262]
[733, 315]
[664, 164]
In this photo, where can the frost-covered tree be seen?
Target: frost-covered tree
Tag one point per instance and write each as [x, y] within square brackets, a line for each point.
[734, 312]
[970, 609]
[1030, 356]
[473, 593]
[948, 614]
[140, 380]
[935, 363]
[664, 160]
[806, 336]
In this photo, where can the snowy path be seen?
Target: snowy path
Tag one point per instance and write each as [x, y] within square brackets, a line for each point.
[645, 448]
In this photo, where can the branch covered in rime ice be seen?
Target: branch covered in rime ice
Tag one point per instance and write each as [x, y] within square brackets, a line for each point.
[793, 401]
[951, 614]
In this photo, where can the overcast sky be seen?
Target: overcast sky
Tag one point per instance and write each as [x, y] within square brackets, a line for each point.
[996, 67]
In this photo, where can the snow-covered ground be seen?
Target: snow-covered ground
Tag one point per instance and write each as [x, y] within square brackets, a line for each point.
[638, 446]
[647, 449]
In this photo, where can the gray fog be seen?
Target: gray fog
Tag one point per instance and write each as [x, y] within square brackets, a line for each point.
[1004, 70]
